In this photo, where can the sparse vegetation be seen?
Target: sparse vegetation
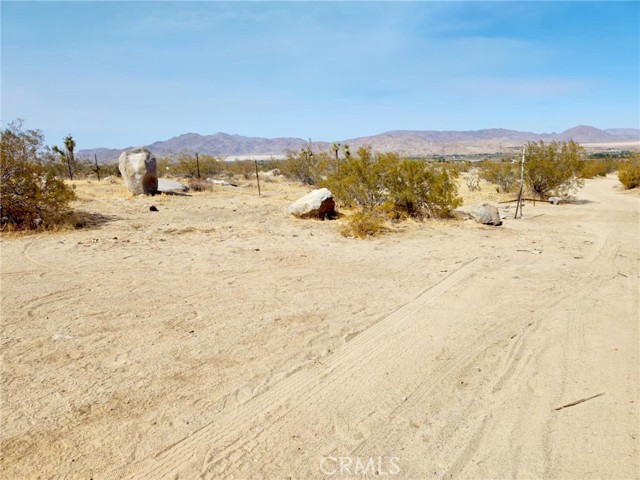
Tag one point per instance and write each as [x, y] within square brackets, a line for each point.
[598, 167]
[244, 168]
[505, 174]
[473, 182]
[384, 185]
[303, 166]
[31, 197]
[364, 223]
[200, 185]
[629, 172]
[191, 166]
[553, 168]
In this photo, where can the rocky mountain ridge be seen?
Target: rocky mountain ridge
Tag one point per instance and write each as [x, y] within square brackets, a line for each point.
[406, 142]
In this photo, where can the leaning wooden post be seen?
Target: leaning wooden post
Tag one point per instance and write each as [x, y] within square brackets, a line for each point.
[519, 204]
[198, 165]
[257, 177]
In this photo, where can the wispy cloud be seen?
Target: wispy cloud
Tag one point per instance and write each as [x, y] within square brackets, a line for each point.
[325, 69]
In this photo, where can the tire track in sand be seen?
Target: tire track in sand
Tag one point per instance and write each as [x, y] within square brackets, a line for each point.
[236, 428]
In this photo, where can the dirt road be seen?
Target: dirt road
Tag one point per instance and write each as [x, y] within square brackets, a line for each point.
[222, 340]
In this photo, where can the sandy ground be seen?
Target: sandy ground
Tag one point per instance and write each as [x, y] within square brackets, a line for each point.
[220, 338]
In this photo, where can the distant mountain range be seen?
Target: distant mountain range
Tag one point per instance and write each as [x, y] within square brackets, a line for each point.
[406, 142]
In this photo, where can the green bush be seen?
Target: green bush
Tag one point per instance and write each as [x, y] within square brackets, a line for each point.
[385, 185]
[553, 168]
[187, 165]
[504, 174]
[629, 172]
[416, 189]
[598, 167]
[360, 181]
[30, 197]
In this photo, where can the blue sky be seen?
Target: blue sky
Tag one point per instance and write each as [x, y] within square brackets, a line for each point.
[117, 74]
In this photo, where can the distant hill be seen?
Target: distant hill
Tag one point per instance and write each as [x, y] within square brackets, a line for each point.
[406, 142]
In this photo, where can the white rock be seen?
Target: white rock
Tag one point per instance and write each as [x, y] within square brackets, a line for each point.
[165, 185]
[139, 171]
[486, 214]
[318, 203]
[272, 173]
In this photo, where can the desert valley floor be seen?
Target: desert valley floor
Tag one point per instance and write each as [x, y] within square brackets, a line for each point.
[221, 338]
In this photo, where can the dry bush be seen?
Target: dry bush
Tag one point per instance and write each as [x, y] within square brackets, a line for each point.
[200, 185]
[364, 223]
[308, 167]
[473, 182]
[30, 197]
[598, 168]
[629, 172]
[244, 168]
[504, 174]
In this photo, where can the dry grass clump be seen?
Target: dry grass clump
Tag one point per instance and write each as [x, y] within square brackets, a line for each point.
[364, 223]
[200, 185]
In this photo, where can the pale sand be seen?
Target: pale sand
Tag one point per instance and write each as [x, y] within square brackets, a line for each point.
[220, 338]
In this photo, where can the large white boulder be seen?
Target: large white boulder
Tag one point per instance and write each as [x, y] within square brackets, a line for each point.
[316, 204]
[139, 171]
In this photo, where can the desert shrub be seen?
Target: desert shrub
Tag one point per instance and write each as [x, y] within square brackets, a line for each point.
[416, 189]
[308, 167]
[188, 165]
[361, 180]
[473, 182]
[364, 223]
[629, 172]
[598, 167]
[30, 197]
[244, 168]
[553, 168]
[504, 174]
[200, 185]
[400, 188]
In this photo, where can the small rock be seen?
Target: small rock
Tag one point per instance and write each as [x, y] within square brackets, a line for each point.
[272, 173]
[165, 185]
[153, 208]
[486, 214]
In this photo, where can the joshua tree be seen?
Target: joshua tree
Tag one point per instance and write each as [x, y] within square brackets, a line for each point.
[67, 154]
[336, 148]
